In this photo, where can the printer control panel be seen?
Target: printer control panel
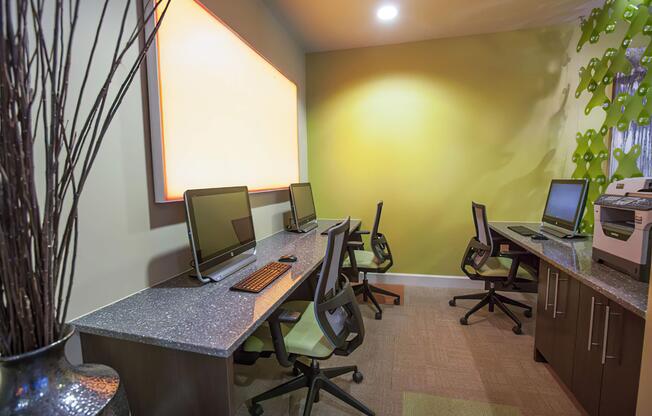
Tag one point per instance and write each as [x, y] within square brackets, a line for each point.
[625, 202]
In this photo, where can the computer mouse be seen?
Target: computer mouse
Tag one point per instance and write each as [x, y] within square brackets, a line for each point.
[288, 258]
[539, 237]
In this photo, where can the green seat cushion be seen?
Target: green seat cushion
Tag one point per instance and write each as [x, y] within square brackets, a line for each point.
[500, 266]
[303, 338]
[363, 259]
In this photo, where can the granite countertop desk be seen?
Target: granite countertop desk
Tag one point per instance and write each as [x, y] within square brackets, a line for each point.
[183, 314]
[574, 258]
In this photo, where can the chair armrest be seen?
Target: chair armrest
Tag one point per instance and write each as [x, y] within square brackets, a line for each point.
[355, 244]
[280, 350]
[512, 253]
[289, 317]
[478, 245]
[361, 232]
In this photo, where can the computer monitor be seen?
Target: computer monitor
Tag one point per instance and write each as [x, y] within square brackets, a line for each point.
[303, 207]
[565, 206]
[220, 229]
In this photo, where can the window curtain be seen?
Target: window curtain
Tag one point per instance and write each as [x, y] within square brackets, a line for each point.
[641, 135]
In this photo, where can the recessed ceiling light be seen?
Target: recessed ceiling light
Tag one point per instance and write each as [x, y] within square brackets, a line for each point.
[387, 12]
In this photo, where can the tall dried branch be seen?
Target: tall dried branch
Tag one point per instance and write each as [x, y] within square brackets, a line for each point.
[41, 115]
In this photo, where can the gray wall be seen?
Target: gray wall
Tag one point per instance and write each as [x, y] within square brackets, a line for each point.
[128, 242]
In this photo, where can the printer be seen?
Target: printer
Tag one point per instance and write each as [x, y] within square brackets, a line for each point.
[623, 220]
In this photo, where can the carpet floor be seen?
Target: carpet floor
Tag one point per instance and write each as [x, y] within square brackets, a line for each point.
[418, 360]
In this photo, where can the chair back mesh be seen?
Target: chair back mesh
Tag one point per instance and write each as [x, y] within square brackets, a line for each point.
[378, 242]
[336, 308]
[482, 234]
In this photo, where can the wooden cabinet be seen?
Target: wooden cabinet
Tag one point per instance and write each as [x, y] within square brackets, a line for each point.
[587, 373]
[544, 330]
[593, 344]
[565, 306]
[557, 308]
[622, 367]
[607, 356]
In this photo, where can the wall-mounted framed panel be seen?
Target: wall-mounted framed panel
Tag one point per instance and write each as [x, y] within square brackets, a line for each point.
[220, 113]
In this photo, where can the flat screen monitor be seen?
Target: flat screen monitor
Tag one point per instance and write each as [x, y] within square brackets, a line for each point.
[303, 204]
[220, 224]
[566, 203]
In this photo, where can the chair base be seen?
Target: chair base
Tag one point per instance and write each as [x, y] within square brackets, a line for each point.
[491, 299]
[315, 379]
[367, 290]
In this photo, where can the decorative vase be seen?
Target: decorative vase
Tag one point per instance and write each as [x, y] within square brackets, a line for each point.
[43, 382]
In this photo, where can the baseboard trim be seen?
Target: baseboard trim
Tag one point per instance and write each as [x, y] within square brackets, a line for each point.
[425, 280]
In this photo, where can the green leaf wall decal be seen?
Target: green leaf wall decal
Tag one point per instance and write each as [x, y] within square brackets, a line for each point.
[592, 149]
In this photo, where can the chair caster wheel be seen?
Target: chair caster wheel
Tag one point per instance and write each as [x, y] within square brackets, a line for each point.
[358, 377]
[517, 330]
[256, 410]
[451, 302]
[464, 321]
[528, 313]
[397, 301]
[379, 316]
[296, 372]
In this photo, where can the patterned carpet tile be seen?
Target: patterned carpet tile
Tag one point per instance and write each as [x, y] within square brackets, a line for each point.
[419, 357]
[428, 405]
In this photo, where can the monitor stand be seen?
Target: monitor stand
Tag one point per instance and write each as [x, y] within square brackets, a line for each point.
[226, 268]
[559, 233]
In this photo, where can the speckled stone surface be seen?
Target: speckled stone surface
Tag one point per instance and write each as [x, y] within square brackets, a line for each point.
[210, 319]
[574, 258]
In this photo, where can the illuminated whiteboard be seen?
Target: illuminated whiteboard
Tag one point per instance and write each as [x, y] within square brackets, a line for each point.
[221, 114]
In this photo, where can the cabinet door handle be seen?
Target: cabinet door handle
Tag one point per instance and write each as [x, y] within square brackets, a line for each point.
[590, 342]
[555, 312]
[606, 334]
[545, 308]
[608, 314]
[554, 302]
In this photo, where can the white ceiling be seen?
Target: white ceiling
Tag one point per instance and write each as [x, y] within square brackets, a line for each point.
[341, 24]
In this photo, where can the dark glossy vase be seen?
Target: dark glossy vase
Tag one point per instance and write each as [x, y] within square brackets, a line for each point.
[43, 382]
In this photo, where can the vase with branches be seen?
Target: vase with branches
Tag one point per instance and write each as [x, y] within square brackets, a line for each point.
[50, 137]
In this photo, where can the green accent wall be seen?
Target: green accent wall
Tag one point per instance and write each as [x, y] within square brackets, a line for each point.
[430, 126]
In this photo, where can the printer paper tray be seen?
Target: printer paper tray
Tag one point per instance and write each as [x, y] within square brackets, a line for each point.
[619, 230]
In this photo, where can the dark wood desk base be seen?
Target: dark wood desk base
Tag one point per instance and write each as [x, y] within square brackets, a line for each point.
[593, 344]
[160, 381]
[163, 381]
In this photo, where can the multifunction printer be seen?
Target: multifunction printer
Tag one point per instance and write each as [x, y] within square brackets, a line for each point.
[623, 219]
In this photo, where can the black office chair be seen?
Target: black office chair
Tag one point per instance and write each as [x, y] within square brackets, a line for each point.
[379, 260]
[480, 263]
[331, 324]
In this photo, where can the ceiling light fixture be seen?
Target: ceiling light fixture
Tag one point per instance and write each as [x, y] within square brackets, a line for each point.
[387, 13]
